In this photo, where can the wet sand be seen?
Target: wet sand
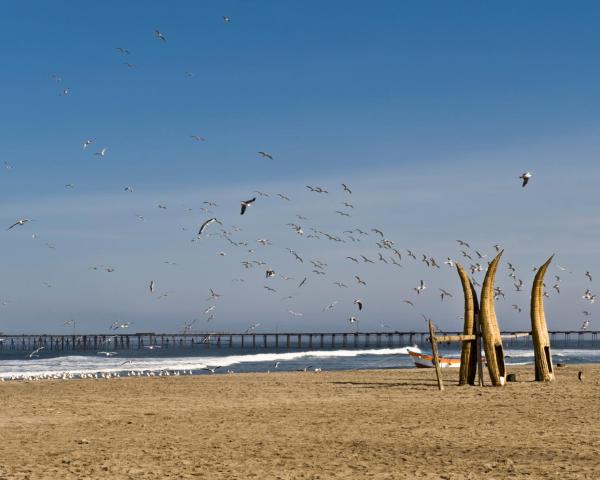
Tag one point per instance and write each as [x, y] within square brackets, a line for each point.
[391, 424]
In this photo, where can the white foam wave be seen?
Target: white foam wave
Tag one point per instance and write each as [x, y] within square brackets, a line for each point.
[77, 365]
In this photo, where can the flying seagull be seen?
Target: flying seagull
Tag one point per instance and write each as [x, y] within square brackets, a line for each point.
[159, 35]
[266, 155]
[35, 352]
[152, 285]
[206, 224]
[20, 221]
[346, 188]
[246, 204]
[525, 177]
[359, 303]
[101, 153]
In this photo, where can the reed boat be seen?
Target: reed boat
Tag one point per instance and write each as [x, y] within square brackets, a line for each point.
[426, 361]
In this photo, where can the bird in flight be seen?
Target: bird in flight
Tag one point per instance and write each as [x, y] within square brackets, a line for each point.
[346, 188]
[226, 19]
[359, 303]
[206, 224]
[152, 285]
[20, 221]
[101, 153]
[198, 138]
[245, 204]
[159, 35]
[525, 177]
[35, 352]
[122, 50]
[444, 293]
[266, 155]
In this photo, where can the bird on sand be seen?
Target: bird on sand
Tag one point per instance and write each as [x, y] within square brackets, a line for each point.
[580, 375]
[211, 369]
[525, 177]
[245, 204]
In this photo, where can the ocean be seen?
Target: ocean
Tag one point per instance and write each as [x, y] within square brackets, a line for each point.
[17, 365]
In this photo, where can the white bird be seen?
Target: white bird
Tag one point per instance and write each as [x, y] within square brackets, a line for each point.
[585, 324]
[525, 177]
[20, 221]
[35, 352]
[102, 152]
[87, 143]
[152, 285]
[359, 303]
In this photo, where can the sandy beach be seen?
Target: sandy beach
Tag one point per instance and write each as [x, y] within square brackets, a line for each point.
[390, 424]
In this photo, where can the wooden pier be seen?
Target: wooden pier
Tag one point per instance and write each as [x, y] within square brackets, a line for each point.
[255, 341]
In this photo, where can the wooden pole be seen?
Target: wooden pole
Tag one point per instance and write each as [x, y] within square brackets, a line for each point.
[478, 346]
[436, 359]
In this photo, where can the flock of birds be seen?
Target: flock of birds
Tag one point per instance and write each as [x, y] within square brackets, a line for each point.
[381, 250]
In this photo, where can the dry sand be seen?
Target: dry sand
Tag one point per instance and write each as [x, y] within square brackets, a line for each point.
[360, 424]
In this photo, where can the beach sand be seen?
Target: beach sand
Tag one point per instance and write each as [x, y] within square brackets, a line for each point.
[390, 424]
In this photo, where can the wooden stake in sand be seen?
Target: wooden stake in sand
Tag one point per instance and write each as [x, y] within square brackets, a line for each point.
[478, 347]
[492, 341]
[544, 371]
[468, 356]
[436, 358]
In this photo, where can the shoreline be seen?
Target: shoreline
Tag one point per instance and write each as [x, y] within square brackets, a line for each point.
[382, 424]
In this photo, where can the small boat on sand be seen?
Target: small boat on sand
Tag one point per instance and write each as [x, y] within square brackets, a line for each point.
[426, 361]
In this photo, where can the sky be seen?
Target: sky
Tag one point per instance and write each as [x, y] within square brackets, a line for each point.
[429, 111]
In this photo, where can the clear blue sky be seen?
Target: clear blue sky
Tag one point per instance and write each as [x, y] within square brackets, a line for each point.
[428, 110]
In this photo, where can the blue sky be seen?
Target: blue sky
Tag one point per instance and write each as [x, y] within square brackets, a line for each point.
[428, 110]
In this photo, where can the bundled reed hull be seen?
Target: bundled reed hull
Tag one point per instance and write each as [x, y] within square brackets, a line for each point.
[544, 370]
[468, 356]
[490, 332]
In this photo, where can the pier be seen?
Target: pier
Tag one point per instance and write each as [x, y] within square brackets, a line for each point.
[256, 341]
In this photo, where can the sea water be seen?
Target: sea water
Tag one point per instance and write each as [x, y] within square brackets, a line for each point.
[18, 364]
